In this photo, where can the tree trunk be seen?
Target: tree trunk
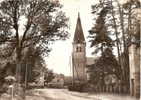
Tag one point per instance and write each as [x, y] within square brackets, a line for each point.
[117, 39]
[125, 57]
[102, 49]
[20, 89]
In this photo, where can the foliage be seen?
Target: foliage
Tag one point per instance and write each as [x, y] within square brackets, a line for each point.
[25, 23]
[104, 66]
[49, 75]
[119, 21]
[99, 33]
[43, 22]
[33, 63]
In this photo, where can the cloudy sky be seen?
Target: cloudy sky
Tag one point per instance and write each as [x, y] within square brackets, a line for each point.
[60, 56]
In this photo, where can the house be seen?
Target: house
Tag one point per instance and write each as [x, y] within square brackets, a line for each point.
[57, 82]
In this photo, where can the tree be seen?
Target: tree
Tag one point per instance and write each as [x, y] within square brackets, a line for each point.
[33, 63]
[115, 24]
[99, 34]
[125, 12]
[104, 66]
[43, 22]
[49, 75]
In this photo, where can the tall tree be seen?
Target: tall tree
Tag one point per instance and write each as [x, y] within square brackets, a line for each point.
[125, 17]
[118, 22]
[104, 66]
[31, 22]
[99, 33]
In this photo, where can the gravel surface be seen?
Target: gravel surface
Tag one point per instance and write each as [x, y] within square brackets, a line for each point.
[64, 94]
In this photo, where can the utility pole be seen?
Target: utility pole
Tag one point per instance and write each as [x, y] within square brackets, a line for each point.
[26, 75]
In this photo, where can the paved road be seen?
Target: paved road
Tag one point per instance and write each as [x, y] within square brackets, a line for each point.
[63, 94]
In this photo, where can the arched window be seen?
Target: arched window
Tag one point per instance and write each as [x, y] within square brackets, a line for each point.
[78, 49]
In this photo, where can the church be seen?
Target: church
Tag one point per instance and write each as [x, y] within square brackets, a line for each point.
[80, 62]
[79, 59]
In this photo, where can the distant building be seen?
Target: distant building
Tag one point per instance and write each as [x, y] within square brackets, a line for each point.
[57, 82]
[67, 80]
[90, 64]
[79, 59]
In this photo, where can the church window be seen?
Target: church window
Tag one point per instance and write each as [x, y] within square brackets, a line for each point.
[78, 49]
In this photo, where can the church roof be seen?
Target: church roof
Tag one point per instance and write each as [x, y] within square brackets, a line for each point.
[90, 60]
[78, 35]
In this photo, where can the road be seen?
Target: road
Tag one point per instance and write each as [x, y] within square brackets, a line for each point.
[64, 94]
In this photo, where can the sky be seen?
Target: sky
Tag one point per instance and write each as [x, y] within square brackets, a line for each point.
[59, 59]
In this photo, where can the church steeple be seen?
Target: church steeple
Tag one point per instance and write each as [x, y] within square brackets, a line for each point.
[78, 36]
[79, 53]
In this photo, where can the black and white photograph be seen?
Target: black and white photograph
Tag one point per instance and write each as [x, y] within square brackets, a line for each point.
[70, 49]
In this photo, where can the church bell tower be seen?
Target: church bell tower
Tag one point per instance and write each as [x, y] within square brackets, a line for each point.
[79, 53]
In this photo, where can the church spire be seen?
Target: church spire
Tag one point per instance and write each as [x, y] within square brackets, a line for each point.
[78, 35]
[78, 15]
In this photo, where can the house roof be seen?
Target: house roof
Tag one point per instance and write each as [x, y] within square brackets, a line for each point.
[90, 60]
